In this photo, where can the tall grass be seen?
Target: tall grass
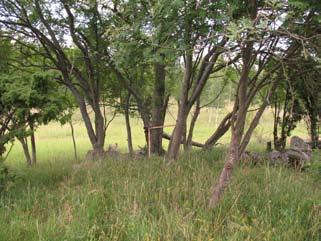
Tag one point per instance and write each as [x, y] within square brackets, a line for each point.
[61, 199]
[149, 200]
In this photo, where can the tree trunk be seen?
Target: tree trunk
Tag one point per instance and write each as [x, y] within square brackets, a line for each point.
[256, 119]
[33, 144]
[158, 111]
[97, 145]
[99, 130]
[24, 143]
[238, 124]
[193, 143]
[314, 130]
[175, 142]
[223, 127]
[128, 127]
[225, 176]
[192, 125]
[73, 139]
[280, 141]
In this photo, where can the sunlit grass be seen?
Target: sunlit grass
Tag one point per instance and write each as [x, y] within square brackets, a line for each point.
[61, 199]
[54, 141]
[149, 200]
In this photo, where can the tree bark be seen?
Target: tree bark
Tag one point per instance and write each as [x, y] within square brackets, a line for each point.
[25, 148]
[33, 144]
[128, 127]
[256, 119]
[73, 139]
[97, 135]
[174, 144]
[158, 111]
[193, 143]
[238, 124]
[192, 125]
[314, 130]
[225, 176]
[223, 127]
[177, 136]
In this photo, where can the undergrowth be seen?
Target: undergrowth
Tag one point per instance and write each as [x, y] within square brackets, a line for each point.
[149, 200]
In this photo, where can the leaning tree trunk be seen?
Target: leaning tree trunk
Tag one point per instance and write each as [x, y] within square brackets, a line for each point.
[226, 173]
[193, 123]
[220, 131]
[24, 143]
[238, 124]
[174, 144]
[95, 133]
[176, 139]
[73, 138]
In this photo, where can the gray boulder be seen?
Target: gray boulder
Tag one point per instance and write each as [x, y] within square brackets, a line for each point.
[298, 155]
[278, 158]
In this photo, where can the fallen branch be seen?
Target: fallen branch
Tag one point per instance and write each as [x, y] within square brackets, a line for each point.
[194, 143]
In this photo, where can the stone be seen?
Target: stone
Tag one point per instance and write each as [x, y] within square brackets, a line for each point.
[278, 158]
[300, 152]
[252, 158]
[299, 144]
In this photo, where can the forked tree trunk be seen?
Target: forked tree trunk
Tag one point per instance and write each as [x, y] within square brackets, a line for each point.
[192, 87]
[280, 138]
[24, 143]
[238, 144]
[96, 132]
[238, 124]
[177, 136]
[128, 127]
[257, 118]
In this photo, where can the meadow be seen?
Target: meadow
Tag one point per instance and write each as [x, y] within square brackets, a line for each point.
[65, 199]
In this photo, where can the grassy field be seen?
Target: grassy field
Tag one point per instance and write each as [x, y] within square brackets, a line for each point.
[61, 199]
[54, 141]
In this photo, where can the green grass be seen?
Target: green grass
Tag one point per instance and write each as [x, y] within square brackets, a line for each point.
[61, 199]
[54, 141]
[148, 200]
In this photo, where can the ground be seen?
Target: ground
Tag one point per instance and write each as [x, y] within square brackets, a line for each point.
[64, 199]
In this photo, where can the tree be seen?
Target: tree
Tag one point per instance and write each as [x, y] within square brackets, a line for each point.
[304, 74]
[288, 112]
[149, 43]
[263, 45]
[50, 31]
[202, 42]
[36, 99]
